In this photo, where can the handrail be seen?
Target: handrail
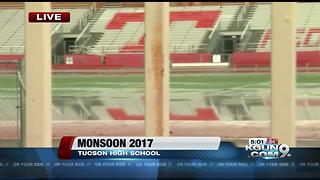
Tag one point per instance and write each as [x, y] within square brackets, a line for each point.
[214, 29]
[225, 24]
[56, 35]
[245, 29]
[243, 11]
[84, 19]
[56, 28]
[82, 33]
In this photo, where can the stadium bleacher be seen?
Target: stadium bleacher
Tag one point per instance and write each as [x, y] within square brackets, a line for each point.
[308, 37]
[12, 28]
[122, 34]
[120, 38]
[307, 25]
[123, 28]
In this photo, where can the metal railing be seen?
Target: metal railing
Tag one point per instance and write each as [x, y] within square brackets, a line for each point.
[57, 29]
[244, 10]
[246, 31]
[247, 46]
[56, 35]
[215, 29]
[84, 19]
[214, 36]
[111, 49]
[11, 49]
[83, 36]
[231, 25]
[256, 47]
[245, 36]
[311, 48]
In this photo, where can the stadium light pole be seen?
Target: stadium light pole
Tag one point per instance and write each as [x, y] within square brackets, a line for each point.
[283, 72]
[156, 48]
[37, 128]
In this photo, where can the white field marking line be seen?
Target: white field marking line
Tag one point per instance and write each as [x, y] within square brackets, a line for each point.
[93, 89]
[7, 89]
[100, 90]
[125, 94]
[174, 94]
[235, 92]
[137, 83]
[172, 75]
[183, 94]
[249, 85]
[95, 82]
[137, 88]
[131, 89]
[256, 92]
[241, 88]
[216, 74]
[140, 89]
[174, 90]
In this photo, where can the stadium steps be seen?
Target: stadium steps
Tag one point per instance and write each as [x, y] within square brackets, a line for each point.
[254, 38]
[234, 26]
[252, 11]
[205, 48]
[248, 16]
[95, 37]
[98, 15]
[233, 11]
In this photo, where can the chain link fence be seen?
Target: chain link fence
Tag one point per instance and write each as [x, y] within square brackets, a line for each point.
[9, 104]
[12, 93]
[9, 96]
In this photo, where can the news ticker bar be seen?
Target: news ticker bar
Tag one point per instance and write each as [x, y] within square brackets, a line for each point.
[212, 164]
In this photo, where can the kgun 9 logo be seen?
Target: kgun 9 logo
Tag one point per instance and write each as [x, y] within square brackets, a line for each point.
[267, 148]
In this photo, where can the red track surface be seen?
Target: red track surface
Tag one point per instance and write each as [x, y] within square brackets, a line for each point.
[225, 129]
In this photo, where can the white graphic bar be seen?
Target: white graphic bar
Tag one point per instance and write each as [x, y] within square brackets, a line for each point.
[146, 143]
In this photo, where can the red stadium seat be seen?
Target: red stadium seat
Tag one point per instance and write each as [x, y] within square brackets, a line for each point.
[205, 19]
[202, 114]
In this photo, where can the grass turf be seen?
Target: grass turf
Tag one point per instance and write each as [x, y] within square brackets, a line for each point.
[187, 81]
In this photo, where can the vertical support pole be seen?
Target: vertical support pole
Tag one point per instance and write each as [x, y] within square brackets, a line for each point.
[156, 68]
[283, 72]
[37, 129]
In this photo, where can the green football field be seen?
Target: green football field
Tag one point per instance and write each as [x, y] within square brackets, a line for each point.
[83, 83]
